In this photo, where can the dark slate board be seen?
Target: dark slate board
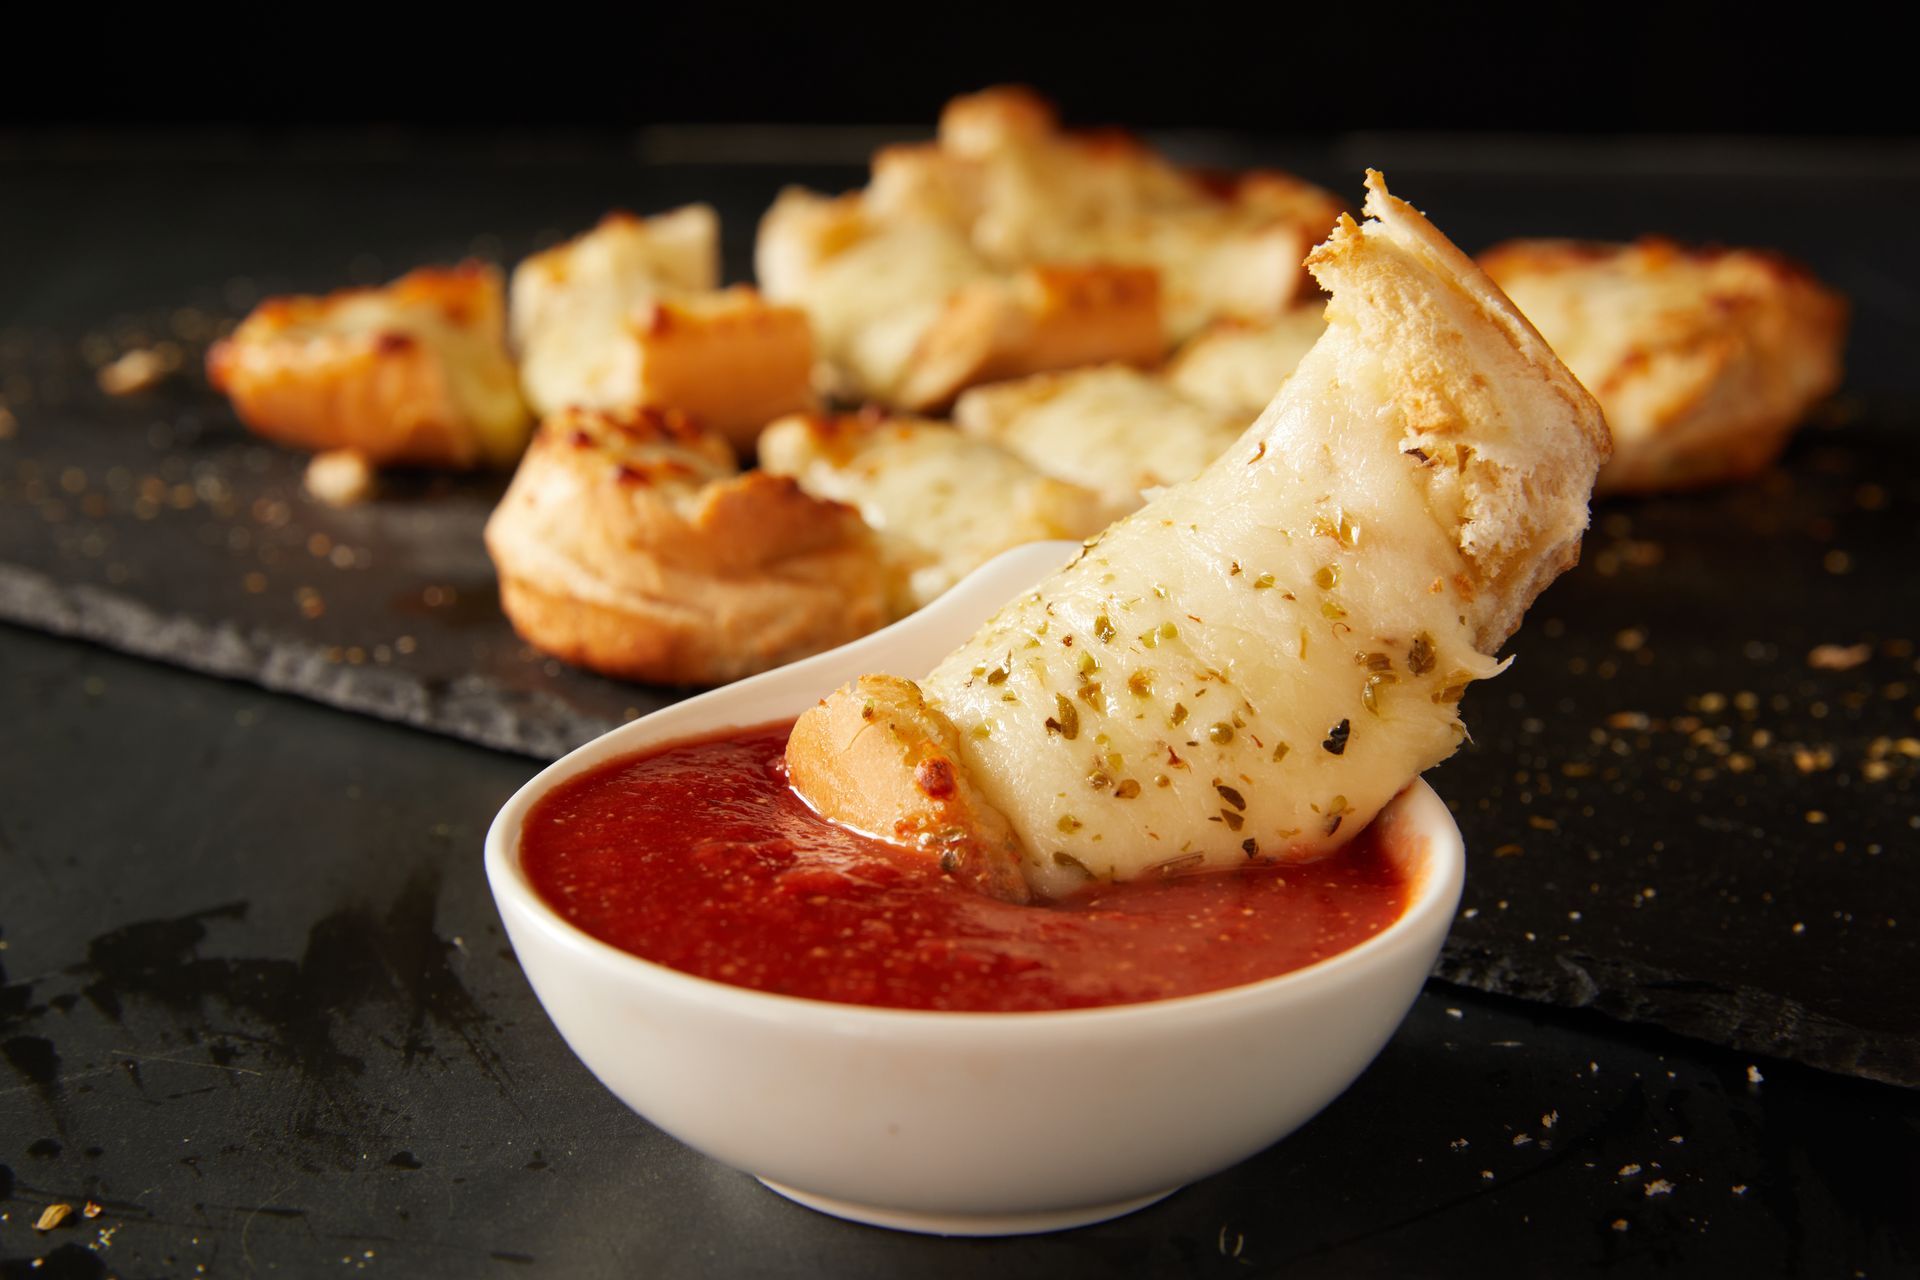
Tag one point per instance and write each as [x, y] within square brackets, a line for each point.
[155, 524]
[1673, 816]
[267, 1021]
[1636, 849]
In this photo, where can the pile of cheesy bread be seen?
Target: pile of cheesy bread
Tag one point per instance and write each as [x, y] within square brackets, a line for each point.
[1014, 332]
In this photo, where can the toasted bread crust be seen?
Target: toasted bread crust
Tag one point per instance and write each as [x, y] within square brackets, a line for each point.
[628, 543]
[627, 315]
[1010, 246]
[1045, 318]
[1252, 665]
[1517, 496]
[412, 373]
[880, 730]
[1705, 359]
[730, 360]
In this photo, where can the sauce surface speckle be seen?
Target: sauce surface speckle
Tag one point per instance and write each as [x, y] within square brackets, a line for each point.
[699, 857]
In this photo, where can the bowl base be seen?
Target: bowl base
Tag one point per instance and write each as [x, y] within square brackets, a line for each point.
[967, 1224]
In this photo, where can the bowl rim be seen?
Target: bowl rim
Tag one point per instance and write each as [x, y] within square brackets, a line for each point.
[1438, 881]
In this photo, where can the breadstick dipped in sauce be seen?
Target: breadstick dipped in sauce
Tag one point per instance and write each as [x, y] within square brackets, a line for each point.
[1251, 666]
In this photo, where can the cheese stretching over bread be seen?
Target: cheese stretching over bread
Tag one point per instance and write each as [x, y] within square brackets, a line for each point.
[942, 503]
[1253, 664]
[1111, 429]
[627, 316]
[1705, 360]
[414, 373]
[631, 544]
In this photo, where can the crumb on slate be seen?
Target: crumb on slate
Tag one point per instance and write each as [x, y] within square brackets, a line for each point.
[340, 478]
[139, 369]
[1838, 657]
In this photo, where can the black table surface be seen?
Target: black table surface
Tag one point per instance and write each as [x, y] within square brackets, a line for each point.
[256, 1005]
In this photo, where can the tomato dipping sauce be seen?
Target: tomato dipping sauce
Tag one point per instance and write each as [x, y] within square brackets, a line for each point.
[699, 856]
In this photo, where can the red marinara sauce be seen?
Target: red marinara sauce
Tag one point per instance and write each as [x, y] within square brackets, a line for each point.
[699, 856]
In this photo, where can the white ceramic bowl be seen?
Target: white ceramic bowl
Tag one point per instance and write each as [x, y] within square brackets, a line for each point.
[965, 1123]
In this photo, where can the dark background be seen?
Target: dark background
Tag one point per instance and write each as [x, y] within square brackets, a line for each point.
[255, 1001]
[1270, 69]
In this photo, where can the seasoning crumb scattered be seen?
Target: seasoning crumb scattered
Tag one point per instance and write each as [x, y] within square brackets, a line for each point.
[1836, 657]
[91, 1209]
[139, 370]
[340, 478]
[1812, 760]
[1659, 1187]
[52, 1216]
[1455, 1013]
[1739, 1188]
[1754, 1076]
[1619, 1224]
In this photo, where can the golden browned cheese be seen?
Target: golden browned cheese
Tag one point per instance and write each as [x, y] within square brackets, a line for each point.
[628, 314]
[630, 544]
[1115, 430]
[1124, 432]
[1254, 663]
[1025, 190]
[1236, 366]
[941, 503]
[907, 313]
[1704, 360]
[1010, 246]
[411, 373]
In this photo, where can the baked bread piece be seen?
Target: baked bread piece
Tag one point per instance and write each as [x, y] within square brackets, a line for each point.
[1236, 365]
[1253, 664]
[728, 359]
[1009, 246]
[1111, 429]
[411, 373]
[941, 502]
[1704, 359]
[908, 313]
[588, 286]
[629, 543]
[627, 315]
[1025, 190]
